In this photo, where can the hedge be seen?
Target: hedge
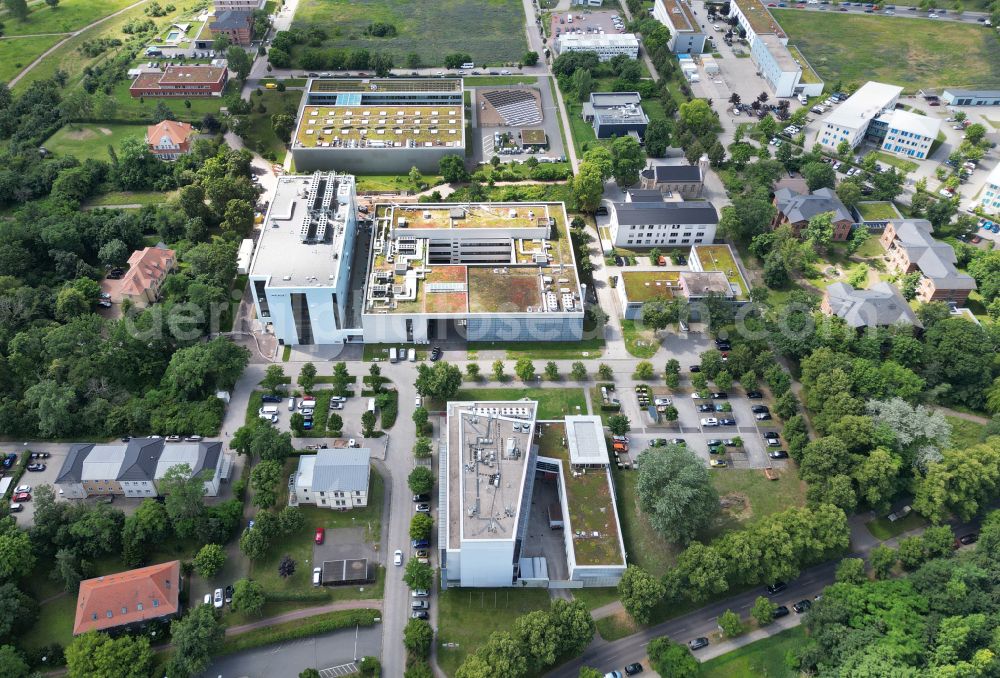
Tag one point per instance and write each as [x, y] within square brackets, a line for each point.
[301, 628]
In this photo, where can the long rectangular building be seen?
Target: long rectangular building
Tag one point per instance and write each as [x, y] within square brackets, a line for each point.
[606, 46]
[686, 34]
[379, 126]
[850, 120]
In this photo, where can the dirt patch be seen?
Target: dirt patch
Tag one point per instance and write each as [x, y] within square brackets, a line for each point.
[105, 131]
[81, 134]
[736, 505]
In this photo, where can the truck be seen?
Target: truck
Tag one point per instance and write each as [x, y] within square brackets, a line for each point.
[468, 65]
[393, 357]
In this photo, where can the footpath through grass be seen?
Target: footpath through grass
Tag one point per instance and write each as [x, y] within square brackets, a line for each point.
[928, 53]
[764, 658]
[66, 17]
[17, 53]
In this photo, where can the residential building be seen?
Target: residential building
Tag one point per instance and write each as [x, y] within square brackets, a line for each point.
[498, 461]
[881, 305]
[605, 45]
[910, 247]
[657, 223]
[588, 3]
[134, 469]
[381, 126]
[685, 181]
[302, 269]
[905, 134]
[686, 34]
[849, 121]
[181, 81]
[237, 25]
[616, 114]
[479, 271]
[333, 478]
[169, 139]
[990, 193]
[971, 97]
[796, 209]
[237, 5]
[129, 600]
[148, 268]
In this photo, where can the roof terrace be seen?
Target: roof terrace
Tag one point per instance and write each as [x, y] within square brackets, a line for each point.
[642, 286]
[720, 258]
[379, 126]
[680, 15]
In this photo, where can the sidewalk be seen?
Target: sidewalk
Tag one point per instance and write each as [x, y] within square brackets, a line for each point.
[305, 613]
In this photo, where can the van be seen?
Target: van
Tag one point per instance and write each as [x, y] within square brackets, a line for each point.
[268, 410]
[412, 355]
[468, 65]
[371, 405]
[803, 99]
[392, 355]
[291, 404]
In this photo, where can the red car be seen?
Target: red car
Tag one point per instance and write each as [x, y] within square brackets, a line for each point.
[320, 534]
[22, 496]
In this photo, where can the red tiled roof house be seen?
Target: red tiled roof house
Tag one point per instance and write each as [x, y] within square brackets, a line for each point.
[169, 140]
[128, 599]
[148, 268]
[181, 81]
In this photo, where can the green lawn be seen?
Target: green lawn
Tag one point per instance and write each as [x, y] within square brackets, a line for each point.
[757, 660]
[430, 30]
[299, 546]
[491, 80]
[553, 403]
[592, 347]
[130, 198]
[899, 163]
[927, 54]
[965, 433]
[186, 110]
[876, 210]
[54, 624]
[260, 136]
[68, 16]
[468, 616]
[883, 528]
[91, 140]
[17, 53]
[391, 182]
[641, 343]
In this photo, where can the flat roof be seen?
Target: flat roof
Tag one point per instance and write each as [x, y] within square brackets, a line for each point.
[912, 122]
[533, 137]
[809, 76]
[186, 75]
[385, 85]
[681, 18]
[759, 17]
[642, 286]
[380, 126]
[585, 437]
[487, 468]
[720, 258]
[779, 52]
[598, 40]
[282, 254]
[524, 261]
[864, 105]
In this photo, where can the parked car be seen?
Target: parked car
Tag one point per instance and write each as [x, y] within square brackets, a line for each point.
[271, 399]
[778, 454]
[695, 368]
[23, 488]
[763, 416]
[802, 606]
[320, 535]
[678, 441]
[780, 611]
[755, 395]
[706, 408]
[621, 439]
[207, 600]
[419, 614]
[16, 508]
[317, 576]
[757, 409]
[420, 543]
[229, 593]
[173, 439]
[436, 353]
[420, 605]
[776, 587]
[967, 539]
[193, 439]
[218, 599]
[709, 421]
[633, 669]
[397, 557]
[727, 421]
[719, 395]
[718, 463]
[698, 643]
[423, 508]
[419, 593]
[39, 455]
[36, 467]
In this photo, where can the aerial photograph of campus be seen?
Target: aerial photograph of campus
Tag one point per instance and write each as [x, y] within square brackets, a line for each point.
[499, 338]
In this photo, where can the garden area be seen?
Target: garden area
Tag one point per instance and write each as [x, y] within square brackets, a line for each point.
[762, 658]
[91, 140]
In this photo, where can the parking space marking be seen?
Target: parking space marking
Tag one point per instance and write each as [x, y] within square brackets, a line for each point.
[342, 670]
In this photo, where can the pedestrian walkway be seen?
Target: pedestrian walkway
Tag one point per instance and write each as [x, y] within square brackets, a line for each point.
[305, 613]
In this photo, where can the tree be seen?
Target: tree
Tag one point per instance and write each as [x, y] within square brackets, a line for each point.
[588, 187]
[975, 133]
[290, 520]
[311, 673]
[12, 664]
[628, 160]
[307, 377]
[579, 372]
[421, 480]
[98, 654]
[17, 8]
[185, 497]
[422, 448]
[730, 624]
[452, 169]
[644, 370]
[849, 193]
[883, 559]
[604, 372]
[274, 379]
[421, 526]
[763, 610]
[17, 611]
[551, 371]
[209, 560]
[878, 477]
[819, 175]
[619, 424]
[657, 138]
[498, 370]
[417, 638]
[851, 571]
[530, 58]
[264, 480]
[600, 157]
[254, 544]
[441, 381]
[286, 568]
[698, 117]
[368, 424]
[672, 659]
[640, 593]
[335, 423]
[417, 575]
[962, 482]
[819, 230]
[472, 372]
[675, 492]
[195, 638]
[248, 596]
[113, 253]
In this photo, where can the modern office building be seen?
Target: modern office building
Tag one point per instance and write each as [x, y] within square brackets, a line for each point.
[796, 209]
[605, 45]
[989, 198]
[498, 460]
[615, 114]
[881, 305]
[909, 246]
[905, 134]
[379, 126]
[647, 220]
[180, 81]
[335, 478]
[134, 469]
[850, 120]
[483, 271]
[971, 97]
[686, 34]
[302, 269]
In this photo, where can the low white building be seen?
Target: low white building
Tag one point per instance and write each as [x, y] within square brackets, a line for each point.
[850, 120]
[776, 64]
[606, 45]
[990, 194]
[332, 478]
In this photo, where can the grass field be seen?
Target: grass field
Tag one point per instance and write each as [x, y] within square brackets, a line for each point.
[89, 140]
[553, 403]
[965, 433]
[141, 110]
[131, 198]
[468, 616]
[429, 29]
[68, 16]
[883, 528]
[260, 136]
[927, 54]
[641, 343]
[763, 658]
[16, 53]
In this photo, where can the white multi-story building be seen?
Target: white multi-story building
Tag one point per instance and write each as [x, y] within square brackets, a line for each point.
[645, 219]
[903, 133]
[237, 5]
[301, 271]
[990, 195]
[850, 120]
[333, 478]
[686, 34]
[605, 46]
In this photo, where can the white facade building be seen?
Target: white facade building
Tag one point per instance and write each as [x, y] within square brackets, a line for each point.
[646, 220]
[301, 271]
[990, 195]
[606, 46]
[686, 35]
[906, 134]
[850, 120]
[333, 478]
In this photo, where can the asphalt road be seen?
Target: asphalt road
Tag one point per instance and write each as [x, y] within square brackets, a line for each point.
[900, 11]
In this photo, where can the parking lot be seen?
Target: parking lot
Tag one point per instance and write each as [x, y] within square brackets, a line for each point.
[584, 22]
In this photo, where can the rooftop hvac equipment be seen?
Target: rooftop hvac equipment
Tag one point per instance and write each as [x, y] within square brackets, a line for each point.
[401, 267]
[380, 290]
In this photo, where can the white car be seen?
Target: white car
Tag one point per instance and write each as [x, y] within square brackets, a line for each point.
[419, 401]
[397, 557]
[317, 576]
[23, 488]
[709, 421]
[208, 599]
[217, 598]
